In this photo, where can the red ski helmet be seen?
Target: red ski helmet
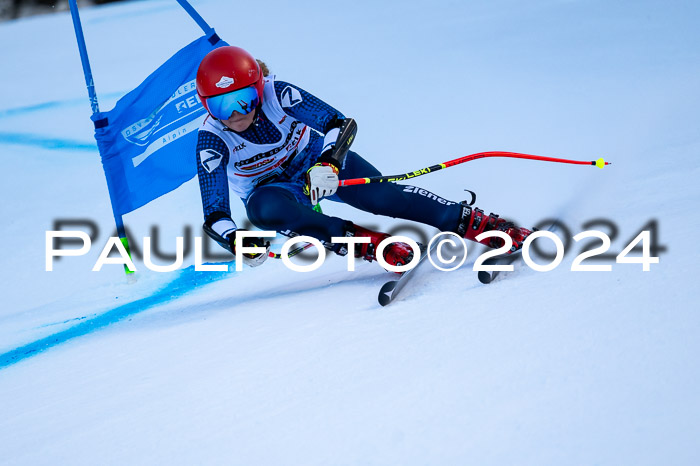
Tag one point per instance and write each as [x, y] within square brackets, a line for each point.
[227, 69]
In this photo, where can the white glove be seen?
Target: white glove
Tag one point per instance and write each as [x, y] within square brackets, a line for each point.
[321, 181]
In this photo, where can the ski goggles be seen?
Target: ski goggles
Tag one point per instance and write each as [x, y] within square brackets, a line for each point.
[242, 101]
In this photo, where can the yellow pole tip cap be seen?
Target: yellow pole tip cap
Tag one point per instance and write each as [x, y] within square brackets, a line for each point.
[600, 163]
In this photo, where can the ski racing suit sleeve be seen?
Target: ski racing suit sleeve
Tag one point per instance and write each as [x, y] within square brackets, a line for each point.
[306, 107]
[212, 159]
[311, 111]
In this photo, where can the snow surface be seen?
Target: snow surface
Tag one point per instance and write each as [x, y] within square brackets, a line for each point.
[269, 366]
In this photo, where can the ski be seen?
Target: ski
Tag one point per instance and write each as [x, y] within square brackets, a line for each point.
[505, 259]
[391, 289]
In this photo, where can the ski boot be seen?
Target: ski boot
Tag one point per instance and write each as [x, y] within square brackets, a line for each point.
[473, 222]
[395, 254]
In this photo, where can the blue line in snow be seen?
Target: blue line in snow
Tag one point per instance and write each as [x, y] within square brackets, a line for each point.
[187, 281]
[10, 112]
[46, 143]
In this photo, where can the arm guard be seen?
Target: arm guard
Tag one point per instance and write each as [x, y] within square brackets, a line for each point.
[334, 151]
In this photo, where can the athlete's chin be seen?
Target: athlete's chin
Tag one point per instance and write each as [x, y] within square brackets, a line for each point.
[239, 124]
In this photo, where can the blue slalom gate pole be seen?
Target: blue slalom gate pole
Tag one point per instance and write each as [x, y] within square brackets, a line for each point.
[195, 16]
[84, 56]
[94, 104]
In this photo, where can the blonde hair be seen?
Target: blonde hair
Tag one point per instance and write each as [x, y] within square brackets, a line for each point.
[263, 67]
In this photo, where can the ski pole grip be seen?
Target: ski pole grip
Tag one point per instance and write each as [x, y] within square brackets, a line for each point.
[354, 181]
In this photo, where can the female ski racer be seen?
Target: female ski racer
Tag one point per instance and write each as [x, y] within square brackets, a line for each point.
[281, 149]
